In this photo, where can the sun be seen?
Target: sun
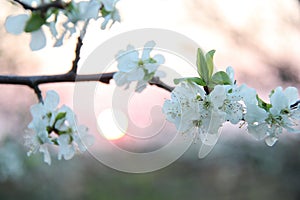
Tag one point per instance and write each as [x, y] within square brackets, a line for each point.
[112, 124]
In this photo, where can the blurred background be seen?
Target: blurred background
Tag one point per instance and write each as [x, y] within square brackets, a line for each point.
[260, 39]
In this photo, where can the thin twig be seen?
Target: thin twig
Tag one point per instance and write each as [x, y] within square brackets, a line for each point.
[78, 47]
[77, 55]
[38, 93]
[156, 81]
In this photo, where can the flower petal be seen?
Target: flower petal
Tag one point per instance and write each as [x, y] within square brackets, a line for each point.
[230, 72]
[109, 5]
[51, 101]
[292, 94]
[136, 75]
[147, 49]
[38, 40]
[16, 24]
[270, 141]
[44, 150]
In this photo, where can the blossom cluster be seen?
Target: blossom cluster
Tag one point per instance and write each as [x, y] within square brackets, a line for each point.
[62, 22]
[52, 126]
[133, 67]
[191, 107]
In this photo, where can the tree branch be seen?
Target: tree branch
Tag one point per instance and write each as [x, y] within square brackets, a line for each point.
[78, 47]
[156, 81]
[34, 81]
[77, 55]
[44, 7]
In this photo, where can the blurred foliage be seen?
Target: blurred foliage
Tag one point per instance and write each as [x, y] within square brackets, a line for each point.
[236, 169]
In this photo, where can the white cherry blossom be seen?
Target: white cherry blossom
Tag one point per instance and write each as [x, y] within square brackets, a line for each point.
[269, 124]
[56, 126]
[133, 67]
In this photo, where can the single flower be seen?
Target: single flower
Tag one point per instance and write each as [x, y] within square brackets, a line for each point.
[133, 67]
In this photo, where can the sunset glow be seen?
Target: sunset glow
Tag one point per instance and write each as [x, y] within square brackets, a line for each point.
[112, 124]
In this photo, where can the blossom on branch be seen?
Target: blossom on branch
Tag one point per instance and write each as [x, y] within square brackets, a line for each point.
[62, 20]
[204, 103]
[56, 126]
[133, 67]
[267, 121]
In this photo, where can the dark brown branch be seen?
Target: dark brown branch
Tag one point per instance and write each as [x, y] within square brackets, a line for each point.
[38, 93]
[54, 4]
[295, 105]
[77, 55]
[156, 81]
[34, 81]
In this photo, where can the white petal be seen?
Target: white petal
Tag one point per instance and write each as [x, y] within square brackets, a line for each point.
[59, 41]
[141, 85]
[91, 10]
[217, 96]
[292, 94]
[255, 114]
[37, 110]
[147, 49]
[279, 101]
[248, 94]
[136, 75]
[105, 22]
[151, 67]
[230, 72]
[259, 131]
[16, 24]
[115, 16]
[83, 139]
[270, 141]
[128, 60]
[47, 158]
[160, 59]
[109, 5]
[66, 149]
[38, 40]
[160, 74]
[210, 136]
[120, 78]
[51, 101]
[53, 29]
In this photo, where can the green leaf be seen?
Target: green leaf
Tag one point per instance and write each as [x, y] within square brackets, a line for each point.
[210, 62]
[221, 78]
[262, 104]
[60, 116]
[148, 76]
[104, 12]
[196, 80]
[202, 68]
[34, 23]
